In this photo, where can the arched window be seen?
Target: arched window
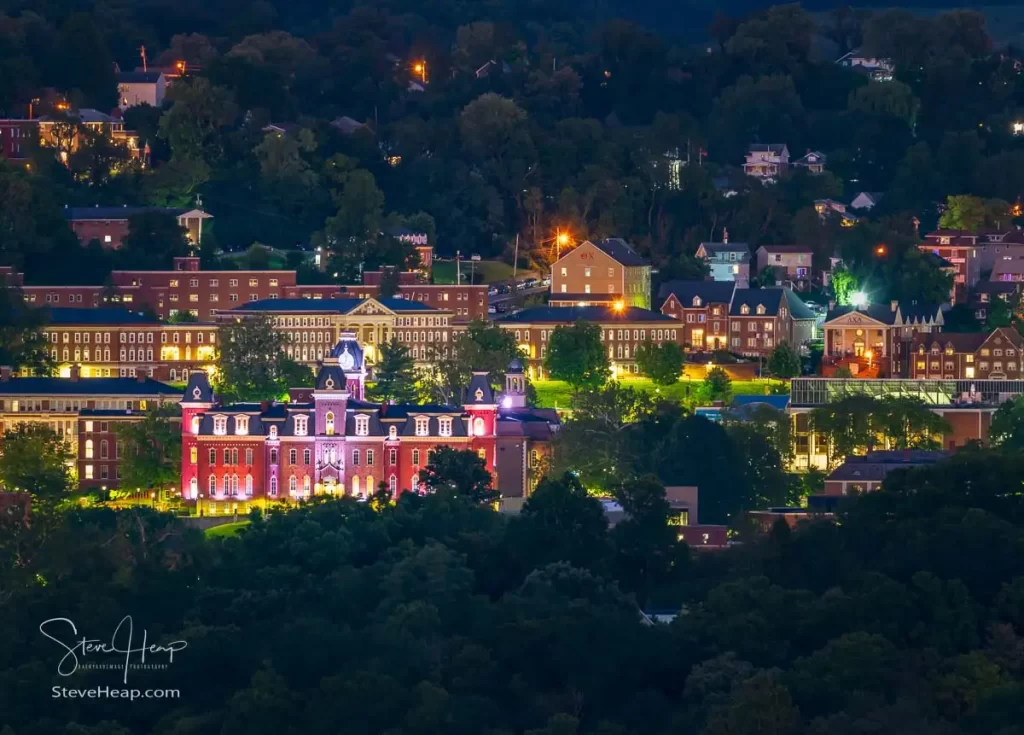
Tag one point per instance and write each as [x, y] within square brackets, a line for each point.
[393, 483]
[273, 487]
[248, 484]
[234, 485]
[393, 432]
[88, 448]
[478, 426]
[104, 449]
[305, 485]
[415, 456]
[193, 487]
[355, 486]
[414, 484]
[329, 423]
[195, 424]
[273, 432]
[213, 485]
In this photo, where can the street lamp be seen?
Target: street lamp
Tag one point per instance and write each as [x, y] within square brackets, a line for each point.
[881, 250]
[858, 299]
[420, 67]
[619, 305]
[152, 498]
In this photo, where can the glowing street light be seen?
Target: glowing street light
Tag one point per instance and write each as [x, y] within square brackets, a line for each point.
[420, 67]
[881, 250]
[1018, 127]
[858, 299]
[619, 305]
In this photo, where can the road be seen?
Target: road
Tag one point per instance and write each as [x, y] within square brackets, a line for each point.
[521, 292]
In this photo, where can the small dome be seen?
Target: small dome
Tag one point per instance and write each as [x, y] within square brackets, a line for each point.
[516, 366]
[348, 353]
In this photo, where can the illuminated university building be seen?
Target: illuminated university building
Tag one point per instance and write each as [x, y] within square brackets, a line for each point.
[338, 443]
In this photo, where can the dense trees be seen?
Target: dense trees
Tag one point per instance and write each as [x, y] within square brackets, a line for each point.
[150, 450]
[576, 354]
[252, 364]
[905, 616]
[394, 375]
[661, 363]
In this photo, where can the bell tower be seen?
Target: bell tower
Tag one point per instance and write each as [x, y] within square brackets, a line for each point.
[514, 395]
[197, 399]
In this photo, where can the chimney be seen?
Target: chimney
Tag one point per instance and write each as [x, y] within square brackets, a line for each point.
[893, 305]
[5, 373]
[725, 235]
[75, 373]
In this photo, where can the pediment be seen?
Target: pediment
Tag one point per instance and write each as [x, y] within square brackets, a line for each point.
[370, 307]
[854, 319]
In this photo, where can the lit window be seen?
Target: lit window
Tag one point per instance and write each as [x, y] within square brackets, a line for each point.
[329, 423]
[362, 425]
[478, 426]
[422, 426]
[241, 425]
[273, 432]
[220, 425]
[88, 472]
[88, 449]
[301, 425]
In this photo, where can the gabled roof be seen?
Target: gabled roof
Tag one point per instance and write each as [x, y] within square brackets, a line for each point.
[786, 249]
[767, 147]
[806, 158]
[479, 391]
[570, 314]
[347, 124]
[139, 77]
[198, 389]
[875, 466]
[769, 298]
[86, 387]
[880, 313]
[621, 251]
[911, 313]
[960, 341]
[709, 292]
[712, 249]
[797, 308]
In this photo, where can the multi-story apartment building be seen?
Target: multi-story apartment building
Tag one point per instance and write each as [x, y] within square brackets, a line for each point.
[339, 444]
[791, 264]
[114, 342]
[727, 261]
[109, 225]
[83, 411]
[314, 326]
[623, 329]
[466, 303]
[702, 308]
[874, 340]
[974, 254]
[17, 137]
[601, 272]
[998, 355]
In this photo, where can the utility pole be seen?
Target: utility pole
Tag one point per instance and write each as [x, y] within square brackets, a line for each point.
[515, 259]
[142, 52]
[458, 269]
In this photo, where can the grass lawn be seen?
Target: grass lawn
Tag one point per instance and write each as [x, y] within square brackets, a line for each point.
[228, 529]
[556, 394]
[486, 271]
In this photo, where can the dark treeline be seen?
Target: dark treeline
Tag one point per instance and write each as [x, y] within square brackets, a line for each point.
[438, 615]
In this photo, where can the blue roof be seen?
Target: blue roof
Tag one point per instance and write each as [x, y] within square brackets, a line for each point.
[86, 386]
[339, 305]
[104, 315]
[79, 214]
[780, 403]
[596, 313]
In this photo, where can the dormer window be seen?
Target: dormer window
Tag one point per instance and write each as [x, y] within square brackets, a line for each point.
[301, 425]
[241, 425]
[760, 309]
[696, 301]
[363, 425]
[444, 426]
[422, 426]
[273, 432]
[220, 425]
[744, 309]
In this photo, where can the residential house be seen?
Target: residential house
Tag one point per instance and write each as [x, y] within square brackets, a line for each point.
[791, 264]
[702, 308]
[874, 340]
[760, 319]
[830, 208]
[867, 473]
[62, 132]
[141, 88]
[880, 70]
[623, 330]
[110, 225]
[766, 162]
[998, 355]
[866, 200]
[813, 161]
[727, 261]
[606, 271]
